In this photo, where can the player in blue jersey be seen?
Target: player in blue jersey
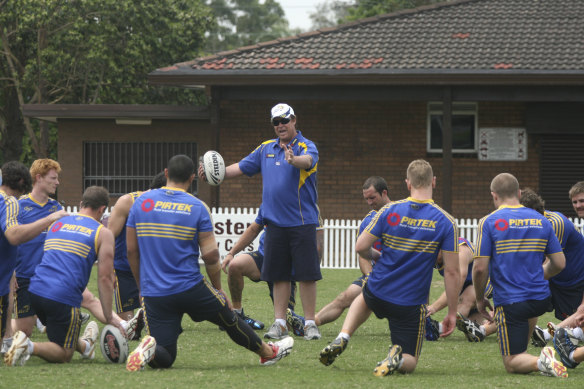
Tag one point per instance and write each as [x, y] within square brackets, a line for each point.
[288, 165]
[249, 265]
[413, 231]
[126, 293]
[375, 192]
[16, 181]
[33, 206]
[513, 242]
[166, 228]
[72, 246]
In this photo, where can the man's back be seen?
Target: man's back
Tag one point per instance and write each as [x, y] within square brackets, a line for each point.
[572, 243]
[517, 239]
[8, 219]
[70, 252]
[413, 232]
[167, 223]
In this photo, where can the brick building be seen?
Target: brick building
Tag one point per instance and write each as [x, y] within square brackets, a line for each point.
[499, 83]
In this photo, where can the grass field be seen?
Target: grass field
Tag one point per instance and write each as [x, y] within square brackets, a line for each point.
[208, 358]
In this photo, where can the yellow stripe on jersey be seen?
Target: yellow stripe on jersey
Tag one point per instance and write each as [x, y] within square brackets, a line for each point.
[165, 231]
[78, 248]
[409, 245]
[557, 224]
[515, 245]
[12, 209]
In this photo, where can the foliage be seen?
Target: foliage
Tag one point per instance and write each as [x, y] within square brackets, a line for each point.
[89, 52]
[333, 12]
[208, 358]
[245, 22]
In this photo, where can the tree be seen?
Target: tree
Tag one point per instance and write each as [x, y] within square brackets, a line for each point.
[331, 13]
[245, 22]
[88, 52]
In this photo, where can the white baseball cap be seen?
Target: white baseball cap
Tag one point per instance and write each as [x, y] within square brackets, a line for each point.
[282, 110]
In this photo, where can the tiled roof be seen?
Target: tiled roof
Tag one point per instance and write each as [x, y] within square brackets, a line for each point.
[463, 35]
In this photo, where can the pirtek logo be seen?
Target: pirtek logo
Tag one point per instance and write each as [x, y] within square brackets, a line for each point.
[149, 204]
[393, 219]
[524, 222]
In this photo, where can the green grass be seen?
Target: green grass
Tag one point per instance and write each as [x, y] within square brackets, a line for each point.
[208, 358]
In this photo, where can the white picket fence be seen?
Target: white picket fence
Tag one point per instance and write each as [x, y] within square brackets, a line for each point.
[339, 235]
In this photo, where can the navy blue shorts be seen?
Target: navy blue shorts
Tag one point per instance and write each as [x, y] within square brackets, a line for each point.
[513, 325]
[407, 324]
[566, 300]
[361, 281]
[3, 313]
[259, 261]
[290, 254]
[164, 314]
[126, 293]
[22, 305]
[63, 321]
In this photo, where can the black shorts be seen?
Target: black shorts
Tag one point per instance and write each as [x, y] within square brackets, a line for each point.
[361, 281]
[63, 321]
[22, 304]
[164, 314]
[4, 314]
[126, 293]
[259, 261]
[513, 325]
[406, 323]
[290, 254]
[566, 300]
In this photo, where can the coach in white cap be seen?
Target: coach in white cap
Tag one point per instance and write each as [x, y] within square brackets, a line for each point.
[288, 165]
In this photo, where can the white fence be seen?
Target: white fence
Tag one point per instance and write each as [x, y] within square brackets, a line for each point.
[339, 235]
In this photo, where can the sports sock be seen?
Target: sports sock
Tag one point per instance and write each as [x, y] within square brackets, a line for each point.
[344, 335]
[439, 327]
[539, 366]
[571, 356]
[239, 311]
[281, 322]
[30, 347]
[483, 330]
[124, 324]
[578, 333]
[87, 348]
[308, 322]
[546, 335]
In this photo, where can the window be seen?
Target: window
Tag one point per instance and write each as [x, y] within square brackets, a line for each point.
[124, 167]
[464, 127]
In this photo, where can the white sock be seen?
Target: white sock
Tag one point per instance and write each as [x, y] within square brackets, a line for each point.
[238, 310]
[571, 356]
[87, 348]
[344, 335]
[281, 322]
[308, 322]
[401, 362]
[483, 330]
[30, 347]
[578, 333]
[439, 327]
[546, 335]
[539, 366]
[124, 324]
[39, 325]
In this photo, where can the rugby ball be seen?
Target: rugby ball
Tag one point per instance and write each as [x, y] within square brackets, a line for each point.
[214, 167]
[114, 345]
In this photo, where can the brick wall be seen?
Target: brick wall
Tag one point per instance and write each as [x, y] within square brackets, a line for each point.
[360, 139]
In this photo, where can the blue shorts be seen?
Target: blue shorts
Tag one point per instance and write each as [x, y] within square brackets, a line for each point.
[3, 313]
[22, 305]
[259, 261]
[566, 299]
[164, 313]
[63, 321]
[290, 254]
[126, 293]
[361, 281]
[513, 325]
[407, 324]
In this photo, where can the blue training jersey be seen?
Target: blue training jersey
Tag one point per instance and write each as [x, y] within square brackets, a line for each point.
[572, 243]
[29, 254]
[413, 232]
[289, 195]
[8, 219]
[70, 251]
[121, 252]
[168, 222]
[364, 223]
[517, 239]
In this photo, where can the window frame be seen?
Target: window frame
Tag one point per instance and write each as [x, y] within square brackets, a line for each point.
[458, 108]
